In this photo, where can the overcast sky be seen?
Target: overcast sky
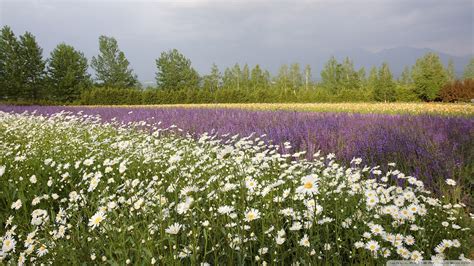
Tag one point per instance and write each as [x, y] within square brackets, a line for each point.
[225, 32]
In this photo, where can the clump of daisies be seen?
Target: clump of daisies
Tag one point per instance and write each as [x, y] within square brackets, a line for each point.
[78, 189]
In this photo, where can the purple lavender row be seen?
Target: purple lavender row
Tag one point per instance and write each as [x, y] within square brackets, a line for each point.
[430, 147]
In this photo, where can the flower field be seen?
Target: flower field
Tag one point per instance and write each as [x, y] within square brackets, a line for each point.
[179, 186]
[451, 109]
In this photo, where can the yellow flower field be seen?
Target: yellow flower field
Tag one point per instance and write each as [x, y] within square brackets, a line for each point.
[451, 109]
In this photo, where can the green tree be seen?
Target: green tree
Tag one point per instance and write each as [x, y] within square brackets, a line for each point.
[349, 78]
[373, 76]
[450, 72]
[212, 82]
[296, 79]
[111, 67]
[469, 70]
[258, 78]
[282, 80]
[307, 77]
[10, 74]
[330, 75]
[174, 72]
[245, 79]
[428, 77]
[384, 89]
[32, 67]
[362, 76]
[405, 77]
[67, 73]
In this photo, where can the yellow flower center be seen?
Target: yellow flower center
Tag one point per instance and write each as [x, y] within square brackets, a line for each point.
[308, 185]
[251, 216]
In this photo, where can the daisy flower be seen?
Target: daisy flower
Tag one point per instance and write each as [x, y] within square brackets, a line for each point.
[304, 241]
[309, 185]
[96, 219]
[252, 214]
[173, 229]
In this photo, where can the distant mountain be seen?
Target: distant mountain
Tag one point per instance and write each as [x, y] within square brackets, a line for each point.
[398, 58]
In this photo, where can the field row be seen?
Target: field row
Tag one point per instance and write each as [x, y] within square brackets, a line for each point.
[451, 109]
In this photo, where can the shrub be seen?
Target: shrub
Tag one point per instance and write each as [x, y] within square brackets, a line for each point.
[458, 91]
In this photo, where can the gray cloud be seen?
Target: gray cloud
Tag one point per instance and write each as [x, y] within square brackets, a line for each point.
[225, 32]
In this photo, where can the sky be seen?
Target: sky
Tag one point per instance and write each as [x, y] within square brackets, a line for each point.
[267, 32]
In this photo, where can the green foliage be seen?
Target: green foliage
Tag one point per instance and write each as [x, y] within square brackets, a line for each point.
[343, 76]
[67, 73]
[428, 76]
[213, 81]
[111, 66]
[405, 77]
[405, 93]
[32, 67]
[10, 79]
[384, 89]
[174, 72]
[469, 70]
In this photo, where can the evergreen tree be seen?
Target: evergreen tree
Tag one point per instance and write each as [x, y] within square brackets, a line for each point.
[330, 75]
[10, 74]
[450, 72]
[67, 73]
[361, 74]
[258, 78]
[469, 70]
[384, 89]
[428, 77]
[349, 78]
[372, 79]
[32, 67]
[175, 72]
[405, 77]
[111, 66]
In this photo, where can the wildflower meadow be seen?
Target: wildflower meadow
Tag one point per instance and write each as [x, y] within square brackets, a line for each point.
[83, 188]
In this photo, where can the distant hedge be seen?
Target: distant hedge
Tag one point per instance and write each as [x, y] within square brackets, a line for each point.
[119, 96]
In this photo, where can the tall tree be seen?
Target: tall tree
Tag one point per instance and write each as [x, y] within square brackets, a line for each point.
[245, 79]
[307, 76]
[330, 75]
[174, 71]
[384, 86]
[67, 73]
[212, 82]
[405, 77]
[296, 79]
[349, 78]
[373, 76]
[362, 76]
[428, 76]
[282, 80]
[32, 66]
[10, 74]
[258, 78]
[450, 72]
[469, 70]
[111, 66]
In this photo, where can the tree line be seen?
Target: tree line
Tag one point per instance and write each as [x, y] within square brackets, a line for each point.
[25, 76]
